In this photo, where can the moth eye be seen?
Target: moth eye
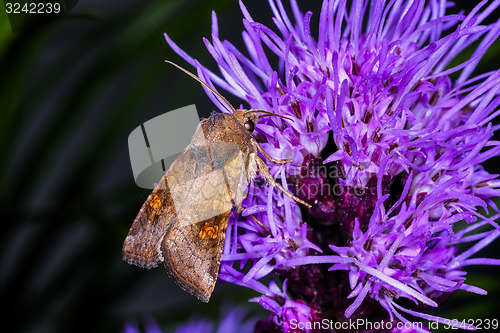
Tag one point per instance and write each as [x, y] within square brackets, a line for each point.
[249, 125]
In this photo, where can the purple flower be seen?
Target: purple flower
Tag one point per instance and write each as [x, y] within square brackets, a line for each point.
[150, 326]
[232, 321]
[387, 139]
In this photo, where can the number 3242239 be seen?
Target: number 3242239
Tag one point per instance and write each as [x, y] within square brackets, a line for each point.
[32, 8]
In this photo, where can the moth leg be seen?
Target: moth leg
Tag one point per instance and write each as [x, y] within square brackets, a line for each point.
[269, 157]
[266, 232]
[258, 222]
[264, 171]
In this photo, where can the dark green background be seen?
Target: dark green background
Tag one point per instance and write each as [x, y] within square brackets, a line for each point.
[71, 91]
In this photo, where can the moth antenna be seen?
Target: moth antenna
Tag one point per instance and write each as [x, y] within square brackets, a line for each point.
[203, 83]
[267, 114]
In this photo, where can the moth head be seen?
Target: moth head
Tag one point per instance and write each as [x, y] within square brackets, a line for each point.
[249, 118]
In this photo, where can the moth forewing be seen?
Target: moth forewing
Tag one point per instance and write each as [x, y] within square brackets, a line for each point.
[185, 227]
[141, 246]
[193, 254]
[211, 193]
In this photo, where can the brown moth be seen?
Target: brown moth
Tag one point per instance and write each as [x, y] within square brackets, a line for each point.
[184, 220]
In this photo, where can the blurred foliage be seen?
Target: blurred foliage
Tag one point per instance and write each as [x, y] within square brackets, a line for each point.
[71, 91]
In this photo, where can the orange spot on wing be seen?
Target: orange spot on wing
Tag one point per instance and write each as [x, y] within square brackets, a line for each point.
[156, 202]
[209, 230]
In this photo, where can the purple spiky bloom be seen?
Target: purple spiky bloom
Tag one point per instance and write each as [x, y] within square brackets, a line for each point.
[386, 146]
[231, 321]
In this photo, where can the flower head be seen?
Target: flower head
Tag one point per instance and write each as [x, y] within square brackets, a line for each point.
[387, 140]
